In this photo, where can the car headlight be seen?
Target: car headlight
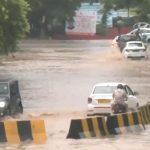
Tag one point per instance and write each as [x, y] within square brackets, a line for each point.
[2, 104]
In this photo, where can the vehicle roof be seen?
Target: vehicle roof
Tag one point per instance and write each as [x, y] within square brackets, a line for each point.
[8, 80]
[109, 84]
[141, 23]
[127, 37]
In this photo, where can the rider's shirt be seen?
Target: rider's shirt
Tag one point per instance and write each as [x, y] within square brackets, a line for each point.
[119, 96]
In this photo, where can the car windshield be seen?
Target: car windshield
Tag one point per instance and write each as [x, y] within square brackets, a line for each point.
[3, 88]
[104, 89]
[135, 44]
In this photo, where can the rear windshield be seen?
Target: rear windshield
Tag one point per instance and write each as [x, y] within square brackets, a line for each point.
[104, 89]
[3, 88]
[135, 44]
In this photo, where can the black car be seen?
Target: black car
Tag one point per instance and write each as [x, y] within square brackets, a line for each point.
[122, 39]
[10, 99]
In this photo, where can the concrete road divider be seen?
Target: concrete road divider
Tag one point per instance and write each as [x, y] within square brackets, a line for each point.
[101, 126]
[12, 131]
[145, 113]
[87, 128]
[126, 122]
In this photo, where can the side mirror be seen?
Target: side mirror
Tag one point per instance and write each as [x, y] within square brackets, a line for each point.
[135, 93]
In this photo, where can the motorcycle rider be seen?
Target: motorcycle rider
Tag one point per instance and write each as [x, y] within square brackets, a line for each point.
[119, 102]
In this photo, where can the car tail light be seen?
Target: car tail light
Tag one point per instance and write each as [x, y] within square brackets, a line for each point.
[89, 100]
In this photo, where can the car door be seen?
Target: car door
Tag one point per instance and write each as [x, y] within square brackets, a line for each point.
[132, 99]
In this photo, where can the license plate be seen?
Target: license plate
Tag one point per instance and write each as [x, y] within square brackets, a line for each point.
[136, 51]
[103, 100]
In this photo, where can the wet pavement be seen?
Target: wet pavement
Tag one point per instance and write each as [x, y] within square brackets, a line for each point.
[56, 77]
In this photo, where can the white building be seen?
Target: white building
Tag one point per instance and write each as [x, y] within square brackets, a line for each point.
[85, 20]
[88, 15]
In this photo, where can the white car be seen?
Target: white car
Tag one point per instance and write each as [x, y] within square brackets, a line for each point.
[135, 49]
[141, 25]
[144, 33]
[100, 99]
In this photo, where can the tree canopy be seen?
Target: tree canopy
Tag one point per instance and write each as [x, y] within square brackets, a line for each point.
[49, 16]
[141, 7]
[13, 24]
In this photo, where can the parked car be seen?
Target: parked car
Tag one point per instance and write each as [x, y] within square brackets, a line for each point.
[141, 25]
[10, 99]
[144, 34]
[135, 49]
[99, 101]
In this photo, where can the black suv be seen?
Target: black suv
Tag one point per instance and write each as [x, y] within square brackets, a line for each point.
[10, 99]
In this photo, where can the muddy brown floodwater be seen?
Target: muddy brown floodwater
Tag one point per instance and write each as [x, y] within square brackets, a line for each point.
[55, 80]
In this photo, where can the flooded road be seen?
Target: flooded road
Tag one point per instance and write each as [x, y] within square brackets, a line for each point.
[56, 78]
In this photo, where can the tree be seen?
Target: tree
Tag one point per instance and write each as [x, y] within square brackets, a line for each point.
[48, 16]
[13, 24]
[143, 10]
[140, 7]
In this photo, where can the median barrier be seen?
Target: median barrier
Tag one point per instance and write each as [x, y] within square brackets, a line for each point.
[145, 113]
[12, 131]
[87, 128]
[125, 122]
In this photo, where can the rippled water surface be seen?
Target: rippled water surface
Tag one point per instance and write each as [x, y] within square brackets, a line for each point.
[56, 78]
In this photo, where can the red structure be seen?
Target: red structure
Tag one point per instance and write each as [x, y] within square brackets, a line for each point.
[111, 33]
